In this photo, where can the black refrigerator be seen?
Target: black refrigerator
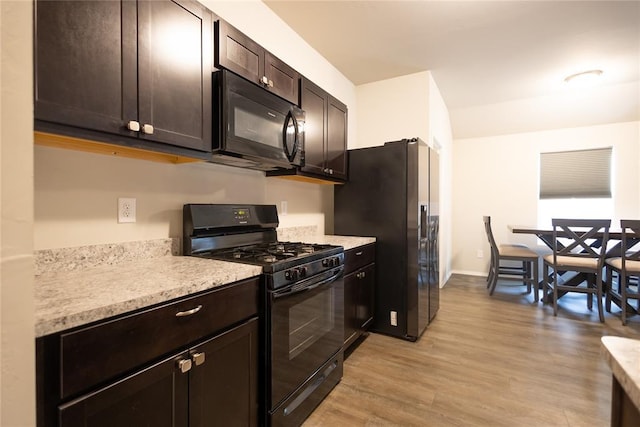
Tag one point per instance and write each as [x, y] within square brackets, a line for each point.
[392, 194]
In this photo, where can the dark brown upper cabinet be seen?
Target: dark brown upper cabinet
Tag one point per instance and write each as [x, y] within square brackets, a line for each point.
[139, 70]
[325, 132]
[238, 53]
[325, 138]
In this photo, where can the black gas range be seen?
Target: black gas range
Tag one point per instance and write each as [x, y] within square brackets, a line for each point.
[303, 302]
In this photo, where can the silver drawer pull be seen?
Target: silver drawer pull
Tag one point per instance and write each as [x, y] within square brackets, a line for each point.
[133, 126]
[198, 358]
[359, 253]
[189, 312]
[184, 365]
[148, 129]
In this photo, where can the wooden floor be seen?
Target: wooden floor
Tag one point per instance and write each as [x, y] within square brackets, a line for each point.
[484, 361]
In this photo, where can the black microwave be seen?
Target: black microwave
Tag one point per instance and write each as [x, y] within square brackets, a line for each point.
[253, 128]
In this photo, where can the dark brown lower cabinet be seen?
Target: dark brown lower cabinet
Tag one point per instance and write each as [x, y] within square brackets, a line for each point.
[156, 396]
[358, 301]
[192, 361]
[359, 285]
[624, 412]
[219, 388]
[223, 391]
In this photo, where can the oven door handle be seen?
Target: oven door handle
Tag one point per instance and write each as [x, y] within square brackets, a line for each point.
[304, 286]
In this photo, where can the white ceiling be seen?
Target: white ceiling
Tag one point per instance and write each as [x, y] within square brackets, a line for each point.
[487, 57]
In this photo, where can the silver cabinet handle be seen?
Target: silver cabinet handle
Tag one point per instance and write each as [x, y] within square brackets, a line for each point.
[133, 125]
[265, 81]
[198, 358]
[361, 275]
[148, 129]
[330, 171]
[189, 312]
[358, 253]
[184, 365]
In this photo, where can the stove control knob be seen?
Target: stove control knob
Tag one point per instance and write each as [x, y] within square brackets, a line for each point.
[303, 272]
[291, 274]
[335, 262]
[325, 262]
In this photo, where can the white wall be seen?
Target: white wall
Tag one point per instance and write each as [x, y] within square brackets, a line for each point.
[17, 338]
[405, 107]
[76, 193]
[393, 109]
[498, 176]
[440, 136]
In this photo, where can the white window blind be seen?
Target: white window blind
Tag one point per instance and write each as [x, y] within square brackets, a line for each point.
[576, 174]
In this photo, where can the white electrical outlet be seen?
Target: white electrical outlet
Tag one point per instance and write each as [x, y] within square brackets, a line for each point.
[283, 208]
[394, 318]
[480, 254]
[126, 210]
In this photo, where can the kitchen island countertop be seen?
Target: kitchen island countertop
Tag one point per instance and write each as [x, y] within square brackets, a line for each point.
[71, 297]
[623, 357]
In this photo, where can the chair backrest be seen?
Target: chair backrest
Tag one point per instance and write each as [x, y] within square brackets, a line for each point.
[487, 229]
[583, 238]
[630, 247]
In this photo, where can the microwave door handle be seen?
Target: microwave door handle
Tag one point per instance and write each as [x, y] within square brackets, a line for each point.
[290, 118]
[304, 288]
[296, 136]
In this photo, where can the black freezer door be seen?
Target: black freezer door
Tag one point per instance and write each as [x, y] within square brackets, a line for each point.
[385, 197]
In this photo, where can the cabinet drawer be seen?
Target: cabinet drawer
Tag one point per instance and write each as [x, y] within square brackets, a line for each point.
[359, 257]
[101, 352]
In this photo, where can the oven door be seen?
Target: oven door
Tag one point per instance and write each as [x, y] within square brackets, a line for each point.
[306, 330]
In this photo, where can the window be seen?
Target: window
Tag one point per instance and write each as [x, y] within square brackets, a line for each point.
[575, 184]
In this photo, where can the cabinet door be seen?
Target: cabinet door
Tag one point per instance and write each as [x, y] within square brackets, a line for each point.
[238, 53]
[86, 64]
[157, 396]
[365, 297]
[175, 63]
[351, 291]
[224, 387]
[285, 79]
[313, 100]
[336, 138]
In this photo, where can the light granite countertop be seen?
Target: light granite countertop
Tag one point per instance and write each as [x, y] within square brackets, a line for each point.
[72, 298]
[623, 356]
[76, 286]
[347, 242]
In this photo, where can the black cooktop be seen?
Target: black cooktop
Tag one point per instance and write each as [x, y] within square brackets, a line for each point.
[275, 254]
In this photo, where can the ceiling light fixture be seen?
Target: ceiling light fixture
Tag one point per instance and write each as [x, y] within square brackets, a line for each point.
[583, 76]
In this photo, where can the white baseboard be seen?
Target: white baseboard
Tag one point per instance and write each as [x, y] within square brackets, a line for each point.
[469, 273]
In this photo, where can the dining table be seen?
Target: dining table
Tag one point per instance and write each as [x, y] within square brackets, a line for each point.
[545, 234]
[614, 249]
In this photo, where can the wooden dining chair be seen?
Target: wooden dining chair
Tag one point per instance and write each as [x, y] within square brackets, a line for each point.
[578, 245]
[526, 270]
[627, 269]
